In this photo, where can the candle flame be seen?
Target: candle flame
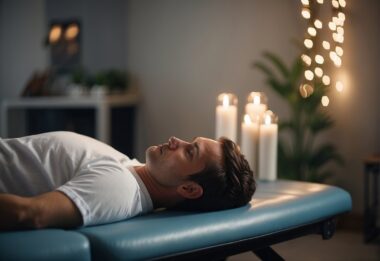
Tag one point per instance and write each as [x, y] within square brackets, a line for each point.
[256, 99]
[267, 120]
[247, 119]
[226, 101]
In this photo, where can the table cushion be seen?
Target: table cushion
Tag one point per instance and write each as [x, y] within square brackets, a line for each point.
[276, 206]
[41, 245]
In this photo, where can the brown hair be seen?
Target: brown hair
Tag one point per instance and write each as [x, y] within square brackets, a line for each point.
[226, 184]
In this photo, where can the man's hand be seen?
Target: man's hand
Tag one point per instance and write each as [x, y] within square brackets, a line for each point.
[52, 209]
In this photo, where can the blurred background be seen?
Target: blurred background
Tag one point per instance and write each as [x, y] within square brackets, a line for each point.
[179, 55]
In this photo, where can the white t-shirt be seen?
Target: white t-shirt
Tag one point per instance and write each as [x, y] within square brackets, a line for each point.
[100, 181]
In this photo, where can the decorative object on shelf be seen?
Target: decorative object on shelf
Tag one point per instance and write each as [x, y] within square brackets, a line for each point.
[226, 116]
[299, 157]
[268, 147]
[38, 84]
[322, 55]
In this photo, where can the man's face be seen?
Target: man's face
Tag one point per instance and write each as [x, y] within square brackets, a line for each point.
[172, 163]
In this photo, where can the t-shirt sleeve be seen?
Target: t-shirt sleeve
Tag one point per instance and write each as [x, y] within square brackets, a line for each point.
[104, 192]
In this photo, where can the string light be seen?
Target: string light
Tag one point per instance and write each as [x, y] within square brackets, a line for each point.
[339, 86]
[312, 31]
[305, 13]
[308, 43]
[325, 101]
[326, 45]
[324, 52]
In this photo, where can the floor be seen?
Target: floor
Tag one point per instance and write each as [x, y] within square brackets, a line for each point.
[344, 245]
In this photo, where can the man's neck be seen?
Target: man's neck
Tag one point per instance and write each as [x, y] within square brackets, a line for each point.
[161, 196]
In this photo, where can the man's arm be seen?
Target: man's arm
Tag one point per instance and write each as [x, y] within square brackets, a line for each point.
[52, 209]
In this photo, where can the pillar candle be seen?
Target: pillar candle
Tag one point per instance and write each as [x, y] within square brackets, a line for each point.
[249, 141]
[256, 104]
[226, 116]
[268, 147]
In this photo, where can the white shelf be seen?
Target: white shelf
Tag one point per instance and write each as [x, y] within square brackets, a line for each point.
[101, 105]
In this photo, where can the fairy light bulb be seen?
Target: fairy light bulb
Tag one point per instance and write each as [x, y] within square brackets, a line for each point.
[305, 13]
[338, 61]
[325, 101]
[339, 86]
[309, 75]
[305, 2]
[340, 30]
[339, 50]
[332, 26]
[326, 80]
[342, 3]
[341, 16]
[320, 1]
[335, 3]
[326, 45]
[312, 31]
[308, 43]
[333, 55]
[318, 24]
[318, 72]
[306, 59]
[319, 59]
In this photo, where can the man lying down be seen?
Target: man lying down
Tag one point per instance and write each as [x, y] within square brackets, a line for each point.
[66, 180]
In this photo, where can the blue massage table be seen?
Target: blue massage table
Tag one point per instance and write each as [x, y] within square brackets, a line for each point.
[279, 211]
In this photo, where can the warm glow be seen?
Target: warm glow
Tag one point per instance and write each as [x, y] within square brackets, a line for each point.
[318, 24]
[339, 50]
[318, 72]
[312, 31]
[326, 80]
[335, 3]
[333, 56]
[256, 100]
[339, 86]
[332, 26]
[308, 43]
[338, 61]
[340, 30]
[71, 32]
[305, 2]
[267, 120]
[341, 16]
[325, 101]
[342, 3]
[306, 90]
[247, 119]
[320, 1]
[305, 13]
[326, 45]
[319, 59]
[309, 75]
[226, 101]
[306, 59]
[55, 33]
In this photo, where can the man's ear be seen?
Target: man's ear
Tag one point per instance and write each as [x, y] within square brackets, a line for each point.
[190, 190]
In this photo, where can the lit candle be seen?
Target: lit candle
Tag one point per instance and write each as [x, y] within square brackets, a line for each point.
[256, 104]
[226, 116]
[268, 147]
[249, 140]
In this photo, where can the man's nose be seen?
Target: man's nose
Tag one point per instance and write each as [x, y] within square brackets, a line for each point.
[174, 143]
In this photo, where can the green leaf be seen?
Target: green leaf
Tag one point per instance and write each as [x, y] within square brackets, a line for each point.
[323, 155]
[319, 122]
[278, 63]
[265, 69]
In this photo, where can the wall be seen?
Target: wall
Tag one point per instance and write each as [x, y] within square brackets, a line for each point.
[185, 53]
[21, 44]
